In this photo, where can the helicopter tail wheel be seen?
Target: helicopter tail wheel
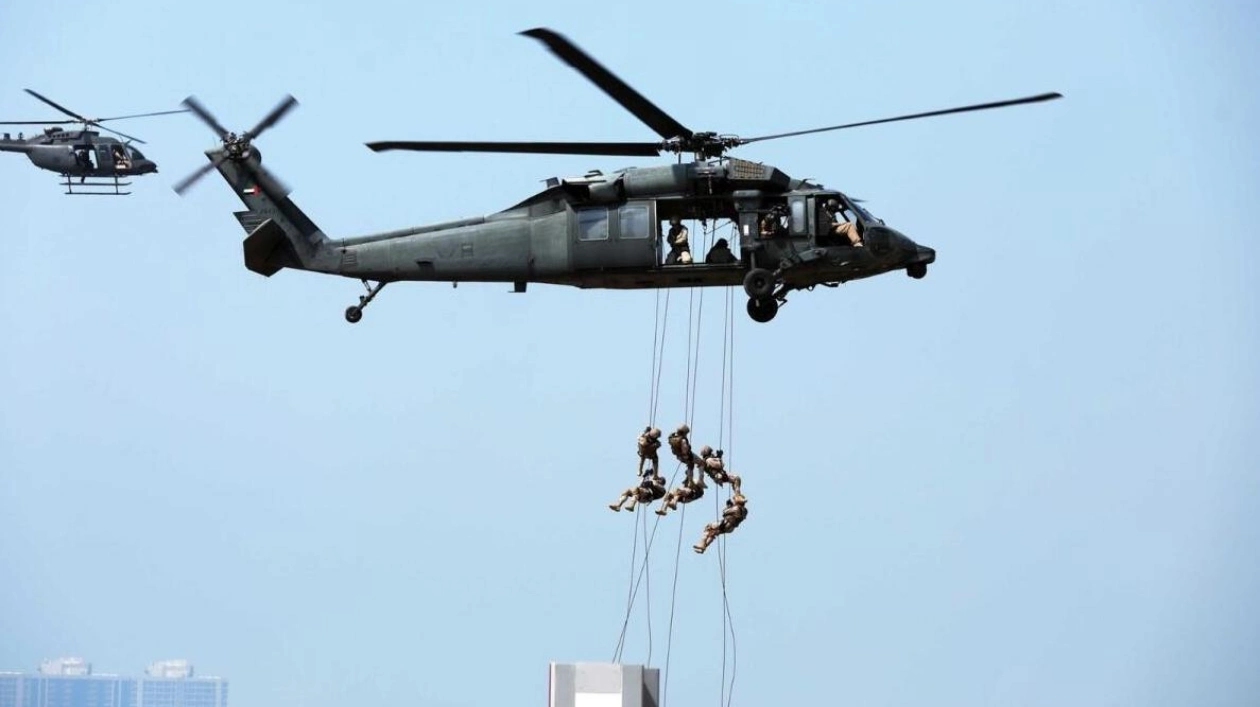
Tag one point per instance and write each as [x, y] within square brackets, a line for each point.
[917, 270]
[762, 310]
[759, 284]
[355, 311]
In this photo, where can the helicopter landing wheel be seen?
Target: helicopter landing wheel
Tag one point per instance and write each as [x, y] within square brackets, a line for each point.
[355, 311]
[762, 310]
[917, 270]
[759, 284]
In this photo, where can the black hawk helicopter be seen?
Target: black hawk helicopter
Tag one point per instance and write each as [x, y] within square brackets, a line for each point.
[599, 230]
[99, 163]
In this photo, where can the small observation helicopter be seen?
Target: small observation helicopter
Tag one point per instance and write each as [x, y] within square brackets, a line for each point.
[595, 231]
[99, 163]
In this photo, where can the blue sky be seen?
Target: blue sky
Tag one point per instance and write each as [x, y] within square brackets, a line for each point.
[1023, 479]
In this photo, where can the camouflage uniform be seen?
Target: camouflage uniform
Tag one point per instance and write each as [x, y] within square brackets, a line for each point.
[651, 488]
[734, 514]
[686, 492]
[711, 463]
[681, 447]
[649, 442]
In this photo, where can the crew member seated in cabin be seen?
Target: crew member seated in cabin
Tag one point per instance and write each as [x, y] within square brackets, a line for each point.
[771, 224]
[835, 225]
[679, 249]
[735, 512]
[720, 254]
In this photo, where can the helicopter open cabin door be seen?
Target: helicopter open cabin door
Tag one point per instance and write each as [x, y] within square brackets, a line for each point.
[615, 237]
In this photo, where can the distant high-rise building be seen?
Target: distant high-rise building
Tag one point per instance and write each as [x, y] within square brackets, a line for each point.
[169, 669]
[65, 666]
[70, 682]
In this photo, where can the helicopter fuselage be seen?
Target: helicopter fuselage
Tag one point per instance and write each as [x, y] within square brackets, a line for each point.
[600, 231]
[80, 154]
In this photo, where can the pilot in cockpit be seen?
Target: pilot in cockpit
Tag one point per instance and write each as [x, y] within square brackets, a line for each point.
[121, 162]
[837, 225]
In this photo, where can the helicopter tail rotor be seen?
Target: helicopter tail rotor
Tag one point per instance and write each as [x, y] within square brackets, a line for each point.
[238, 148]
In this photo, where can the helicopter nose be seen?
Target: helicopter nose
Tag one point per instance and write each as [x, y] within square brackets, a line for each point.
[926, 255]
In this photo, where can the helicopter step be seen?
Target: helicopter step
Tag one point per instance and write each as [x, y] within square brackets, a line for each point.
[94, 186]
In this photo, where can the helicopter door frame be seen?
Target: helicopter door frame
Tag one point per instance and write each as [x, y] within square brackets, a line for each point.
[89, 149]
[799, 216]
[615, 236]
[104, 158]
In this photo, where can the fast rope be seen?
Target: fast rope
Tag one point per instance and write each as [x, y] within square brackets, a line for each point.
[695, 317]
[728, 398]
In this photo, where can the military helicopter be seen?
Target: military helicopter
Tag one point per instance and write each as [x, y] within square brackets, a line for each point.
[598, 230]
[98, 162]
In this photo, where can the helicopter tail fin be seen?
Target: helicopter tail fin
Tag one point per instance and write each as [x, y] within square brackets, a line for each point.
[280, 235]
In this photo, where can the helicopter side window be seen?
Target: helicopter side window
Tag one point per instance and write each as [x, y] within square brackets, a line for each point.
[592, 224]
[798, 217]
[634, 221]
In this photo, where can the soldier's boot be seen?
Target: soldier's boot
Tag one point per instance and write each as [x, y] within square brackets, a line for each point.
[620, 502]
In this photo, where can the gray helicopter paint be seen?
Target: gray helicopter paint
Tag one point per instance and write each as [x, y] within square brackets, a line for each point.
[513, 246]
[594, 231]
[55, 152]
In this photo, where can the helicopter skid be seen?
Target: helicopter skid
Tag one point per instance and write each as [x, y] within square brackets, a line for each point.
[93, 186]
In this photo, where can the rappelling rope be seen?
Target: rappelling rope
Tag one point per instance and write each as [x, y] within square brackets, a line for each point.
[728, 384]
[659, 324]
[658, 357]
[693, 365]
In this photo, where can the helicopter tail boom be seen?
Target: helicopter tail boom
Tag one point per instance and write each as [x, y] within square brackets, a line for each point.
[14, 146]
[280, 234]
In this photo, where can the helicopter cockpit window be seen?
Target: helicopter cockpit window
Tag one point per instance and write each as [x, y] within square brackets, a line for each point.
[867, 216]
[592, 224]
[634, 221]
[135, 154]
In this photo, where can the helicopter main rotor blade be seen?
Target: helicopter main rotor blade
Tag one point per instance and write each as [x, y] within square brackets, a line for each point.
[271, 118]
[964, 109]
[200, 111]
[38, 122]
[630, 99]
[184, 184]
[108, 130]
[624, 149]
[142, 115]
[63, 109]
